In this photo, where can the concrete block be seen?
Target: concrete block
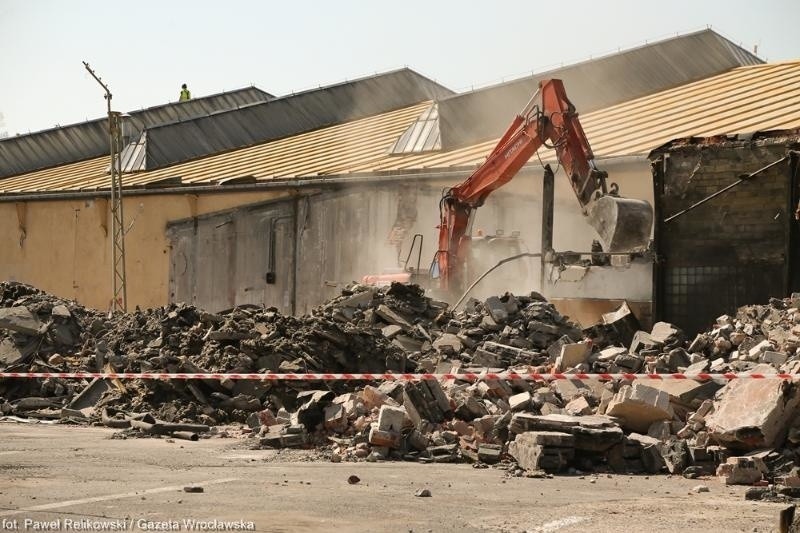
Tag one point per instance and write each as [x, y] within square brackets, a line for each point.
[335, 417]
[676, 456]
[661, 430]
[489, 453]
[551, 409]
[544, 395]
[643, 341]
[91, 394]
[609, 354]
[520, 402]
[572, 355]
[741, 470]
[638, 406]
[569, 389]
[666, 333]
[531, 456]
[522, 422]
[775, 359]
[391, 418]
[578, 406]
[753, 414]
[754, 354]
[696, 368]
[390, 439]
[372, 397]
[485, 358]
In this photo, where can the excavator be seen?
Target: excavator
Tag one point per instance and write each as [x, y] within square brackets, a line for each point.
[549, 119]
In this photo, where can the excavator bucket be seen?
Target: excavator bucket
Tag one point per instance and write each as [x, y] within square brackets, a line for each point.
[624, 224]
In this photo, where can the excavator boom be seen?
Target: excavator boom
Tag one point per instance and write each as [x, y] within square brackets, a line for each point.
[548, 119]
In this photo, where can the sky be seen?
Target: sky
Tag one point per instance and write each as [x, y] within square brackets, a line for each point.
[145, 50]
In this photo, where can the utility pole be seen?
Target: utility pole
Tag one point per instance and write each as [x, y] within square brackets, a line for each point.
[119, 300]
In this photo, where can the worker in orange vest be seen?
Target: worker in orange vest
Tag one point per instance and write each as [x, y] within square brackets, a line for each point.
[185, 94]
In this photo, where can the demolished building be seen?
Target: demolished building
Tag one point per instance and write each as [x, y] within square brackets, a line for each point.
[291, 208]
[278, 212]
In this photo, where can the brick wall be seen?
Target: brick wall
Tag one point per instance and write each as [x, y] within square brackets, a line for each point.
[732, 250]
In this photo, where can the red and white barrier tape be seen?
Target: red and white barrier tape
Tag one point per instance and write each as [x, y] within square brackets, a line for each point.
[467, 376]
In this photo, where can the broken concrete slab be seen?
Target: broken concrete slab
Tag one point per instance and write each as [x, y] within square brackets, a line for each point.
[667, 334]
[20, 319]
[374, 397]
[335, 417]
[489, 453]
[609, 354]
[391, 331]
[497, 309]
[532, 456]
[60, 311]
[9, 353]
[389, 439]
[578, 406]
[487, 359]
[686, 391]
[91, 394]
[638, 406]
[753, 414]
[520, 402]
[572, 355]
[360, 299]
[776, 359]
[741, 470]
[643, 341]
[391, 317]
[556, 439]
[448, 343]
[623, 322]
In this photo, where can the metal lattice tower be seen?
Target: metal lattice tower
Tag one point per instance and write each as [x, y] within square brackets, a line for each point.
[119, 293]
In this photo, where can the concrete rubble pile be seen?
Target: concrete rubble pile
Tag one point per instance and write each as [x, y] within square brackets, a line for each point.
[744, 430]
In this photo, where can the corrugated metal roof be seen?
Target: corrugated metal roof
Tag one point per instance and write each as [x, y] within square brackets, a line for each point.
[76, 142]
[755, 98]
[483, 114]
[331, 150]
[289, 115]
[745, 99]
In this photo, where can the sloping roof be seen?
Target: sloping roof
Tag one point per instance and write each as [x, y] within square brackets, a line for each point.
[84, 140]
[289, 115]
[331, 150]
[745, 99]
[483, 114]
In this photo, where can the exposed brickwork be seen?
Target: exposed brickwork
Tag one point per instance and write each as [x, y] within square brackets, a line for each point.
[731, 250]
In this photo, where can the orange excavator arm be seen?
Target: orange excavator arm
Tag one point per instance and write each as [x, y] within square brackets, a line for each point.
[548, 119]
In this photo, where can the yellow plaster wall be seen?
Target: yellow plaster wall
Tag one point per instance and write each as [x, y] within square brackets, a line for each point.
[66, 249]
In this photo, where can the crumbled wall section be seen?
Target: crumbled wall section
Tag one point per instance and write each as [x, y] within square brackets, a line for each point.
[733, 249]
